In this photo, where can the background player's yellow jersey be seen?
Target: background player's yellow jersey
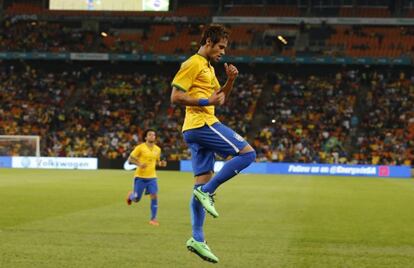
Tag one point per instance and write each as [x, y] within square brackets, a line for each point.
[148, 155]
[196, 76]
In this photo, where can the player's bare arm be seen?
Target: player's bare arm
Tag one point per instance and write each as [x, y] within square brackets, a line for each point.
[232, 73]
[133, 160]
[182, 98]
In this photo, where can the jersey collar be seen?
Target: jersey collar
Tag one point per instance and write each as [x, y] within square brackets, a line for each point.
[201, 56]
[149, 147]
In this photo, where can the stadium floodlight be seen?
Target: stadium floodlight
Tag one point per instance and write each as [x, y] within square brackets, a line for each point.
[19, 145]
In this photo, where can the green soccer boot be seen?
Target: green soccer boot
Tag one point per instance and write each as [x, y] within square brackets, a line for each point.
[202, 250]
[206, 201]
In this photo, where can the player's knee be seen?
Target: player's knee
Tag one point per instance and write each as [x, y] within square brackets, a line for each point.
[135, 198]
[153, 196]
[250, 156]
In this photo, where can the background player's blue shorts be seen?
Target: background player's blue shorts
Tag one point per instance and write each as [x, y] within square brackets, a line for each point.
[207, 140]
[149, 185]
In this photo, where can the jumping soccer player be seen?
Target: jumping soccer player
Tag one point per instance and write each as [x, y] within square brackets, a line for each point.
[145, 156]
[196, 86]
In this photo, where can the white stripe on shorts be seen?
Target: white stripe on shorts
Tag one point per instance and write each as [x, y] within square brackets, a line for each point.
[225, 139]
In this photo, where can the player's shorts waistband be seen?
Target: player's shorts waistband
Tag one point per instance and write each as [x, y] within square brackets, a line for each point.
[148, 179]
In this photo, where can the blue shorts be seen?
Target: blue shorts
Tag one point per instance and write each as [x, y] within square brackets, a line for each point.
[205, 141]
[149, 185]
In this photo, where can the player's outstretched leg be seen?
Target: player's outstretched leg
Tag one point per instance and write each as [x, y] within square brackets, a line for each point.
[132, 197]
[128, 199]
[154, 209]
[136, 194]
[198, 215]
[230, 169]
[202, 250]
[206, 200]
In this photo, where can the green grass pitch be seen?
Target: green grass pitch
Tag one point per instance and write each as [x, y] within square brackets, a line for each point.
[51, 218]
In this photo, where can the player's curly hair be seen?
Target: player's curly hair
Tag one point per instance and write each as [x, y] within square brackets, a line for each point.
[144, 135]
[215, 32]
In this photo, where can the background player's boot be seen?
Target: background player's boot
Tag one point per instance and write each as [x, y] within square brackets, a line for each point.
[206, 200]
[127, 200]
[202, 250]
[154, 222]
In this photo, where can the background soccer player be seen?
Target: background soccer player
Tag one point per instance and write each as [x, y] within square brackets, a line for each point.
[196, 86]
[146, 156]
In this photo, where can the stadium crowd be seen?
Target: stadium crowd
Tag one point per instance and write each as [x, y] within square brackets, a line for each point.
[386, 133]
[99, 113]
[359, 117]
[79, 113]
[352, 116]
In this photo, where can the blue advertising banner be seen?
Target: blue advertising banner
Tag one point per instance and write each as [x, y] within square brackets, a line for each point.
[5, 162]
[339, 170]
[50, 162]
[317, 169]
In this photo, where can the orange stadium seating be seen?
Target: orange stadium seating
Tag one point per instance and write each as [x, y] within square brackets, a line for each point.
[372, 41]
[377, 12]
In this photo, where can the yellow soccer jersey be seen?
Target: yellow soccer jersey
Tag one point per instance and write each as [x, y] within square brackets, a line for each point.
[196, 77]
[144, 154]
